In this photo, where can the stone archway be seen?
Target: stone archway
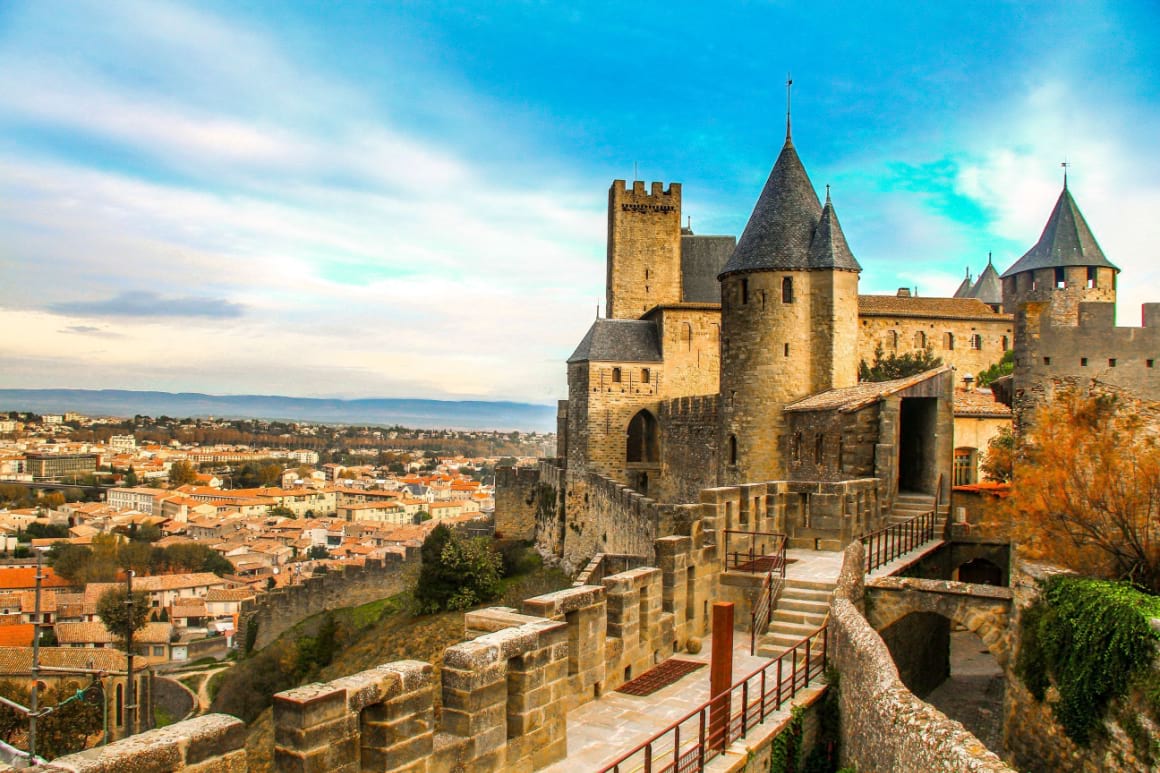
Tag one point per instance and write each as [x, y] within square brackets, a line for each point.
[983, 609]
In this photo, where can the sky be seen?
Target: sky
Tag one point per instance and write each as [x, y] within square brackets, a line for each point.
[408, 199]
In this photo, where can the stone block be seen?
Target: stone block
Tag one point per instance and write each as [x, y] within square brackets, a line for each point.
[308, 705]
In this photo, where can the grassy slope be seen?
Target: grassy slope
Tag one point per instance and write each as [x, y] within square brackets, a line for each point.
[397, 635]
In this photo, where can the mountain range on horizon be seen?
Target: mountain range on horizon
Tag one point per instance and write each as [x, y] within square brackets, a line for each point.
[407, 412]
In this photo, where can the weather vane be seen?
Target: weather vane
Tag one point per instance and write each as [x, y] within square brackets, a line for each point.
[788, 95]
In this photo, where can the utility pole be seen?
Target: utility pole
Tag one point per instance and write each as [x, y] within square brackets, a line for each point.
[131, 703]
[34, 708]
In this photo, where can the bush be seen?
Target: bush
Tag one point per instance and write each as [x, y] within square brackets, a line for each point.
[518, 557]
[456, 572]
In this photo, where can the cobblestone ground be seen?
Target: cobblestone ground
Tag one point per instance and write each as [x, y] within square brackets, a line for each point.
[973, 694]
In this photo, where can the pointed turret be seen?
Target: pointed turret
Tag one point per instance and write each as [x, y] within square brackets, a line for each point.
[964, 286]
[828, 249]
[988, 288]
[779, 232]
[1066, 241]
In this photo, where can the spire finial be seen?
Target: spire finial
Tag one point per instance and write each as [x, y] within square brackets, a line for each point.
[788, 102]
[988, 257]
[1065, 165]
[968, 273]
[827, 193]
[689, 222]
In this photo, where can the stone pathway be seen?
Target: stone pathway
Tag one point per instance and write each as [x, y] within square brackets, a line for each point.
[973, 693]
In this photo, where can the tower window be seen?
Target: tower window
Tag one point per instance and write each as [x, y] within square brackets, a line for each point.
[1091, 278]
[744, 291]
[787, 350]
[819, 448]
[1060, 281]
[645, 375]
[796, 447]
[1083, 362]
[1006, 343]
[732, 449]
[646, 274]
[1111, 362]
[1150, 363]
[787, 289]
[616, 375]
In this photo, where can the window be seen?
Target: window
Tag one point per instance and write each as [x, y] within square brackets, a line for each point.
[1083, 362]
[976, 342]
[920, 340]
[645, 375]
[687, 336]
[732, 449]
[1091, 277]
[1006, 343]
[964, 466]
[1111, 362]
[616, 375]
[787, 289]
[796, 447]
[158, 651]
[787, 350]
[744, 291]
[948, 341]
[819, 448]
[1060, 281]
[1046, 360]
[892, 337]
[1150, 363]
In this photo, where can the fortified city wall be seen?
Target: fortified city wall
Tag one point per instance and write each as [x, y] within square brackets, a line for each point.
[274, 613]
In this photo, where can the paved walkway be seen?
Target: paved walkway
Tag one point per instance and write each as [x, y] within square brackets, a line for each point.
[973, 693]
[604, 729]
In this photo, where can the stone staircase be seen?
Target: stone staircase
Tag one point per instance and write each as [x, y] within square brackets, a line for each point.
[907, 505]
[800, 610]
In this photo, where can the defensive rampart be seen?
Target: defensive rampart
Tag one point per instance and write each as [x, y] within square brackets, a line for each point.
[264, 619]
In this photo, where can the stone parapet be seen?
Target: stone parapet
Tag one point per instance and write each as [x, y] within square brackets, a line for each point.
[214, 743]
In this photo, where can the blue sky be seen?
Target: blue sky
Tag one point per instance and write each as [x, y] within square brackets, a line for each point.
[407, 199]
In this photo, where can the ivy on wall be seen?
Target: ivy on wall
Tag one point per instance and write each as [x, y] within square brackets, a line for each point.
[1092, 640]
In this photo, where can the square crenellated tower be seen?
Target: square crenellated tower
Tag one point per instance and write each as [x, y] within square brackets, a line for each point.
[644, 248]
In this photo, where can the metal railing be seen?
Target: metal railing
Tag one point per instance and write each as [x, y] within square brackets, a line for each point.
[754, 551]
[762, 610]
[885, 545]
[689, 743]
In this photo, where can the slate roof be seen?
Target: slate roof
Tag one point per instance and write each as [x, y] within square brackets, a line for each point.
[987, 288]
[933, 308]
[1066, 241]
[847, 399]
[619, 340]
[964, 287]
[781, 228]
[829, 248]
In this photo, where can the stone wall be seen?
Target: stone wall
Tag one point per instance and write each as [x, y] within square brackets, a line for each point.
[1037, 743]
[279, 610]
[883, 725]
[644, 248]
[214, 743]
[515, 502]
[688, 428]
[976, 513]
[996, 332]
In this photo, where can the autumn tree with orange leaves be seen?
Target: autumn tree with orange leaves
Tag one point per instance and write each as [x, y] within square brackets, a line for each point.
[1086, 492]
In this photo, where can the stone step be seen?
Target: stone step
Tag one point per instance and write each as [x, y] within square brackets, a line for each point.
[819, 597]
[808, 606]
[812, 619]
[798, 584]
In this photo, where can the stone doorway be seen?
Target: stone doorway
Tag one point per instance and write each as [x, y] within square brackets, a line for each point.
[917, 462]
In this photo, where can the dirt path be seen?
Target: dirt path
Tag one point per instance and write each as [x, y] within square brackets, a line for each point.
[202, 691]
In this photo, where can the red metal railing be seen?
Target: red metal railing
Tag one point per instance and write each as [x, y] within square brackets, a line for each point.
[689, 743]
[762, 609]
[754, 551]
[885, 545]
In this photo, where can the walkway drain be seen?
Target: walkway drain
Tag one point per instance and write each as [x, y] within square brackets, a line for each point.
[662, 676]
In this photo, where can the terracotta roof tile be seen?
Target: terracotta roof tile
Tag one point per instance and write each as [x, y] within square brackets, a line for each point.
[933, 308]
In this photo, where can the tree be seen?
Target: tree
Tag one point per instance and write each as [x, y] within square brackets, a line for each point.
[1086, 491]
[1001, 368]
[121, 618]
[181, 473]
[65, 730]
[892, 366]
[131, 478]
[318, 552]
[999, 462]
[456, 572]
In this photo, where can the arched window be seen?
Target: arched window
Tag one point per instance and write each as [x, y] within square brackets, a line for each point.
[920, 340]
[819, 448]
[645, 375]
[616, 375]
[787, 289]
[643, 443]
[892, 338]
[948, 340]
[732, 449]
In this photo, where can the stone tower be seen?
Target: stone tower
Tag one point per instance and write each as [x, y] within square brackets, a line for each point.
[789, 319]
[1064, 268]
[644, 248]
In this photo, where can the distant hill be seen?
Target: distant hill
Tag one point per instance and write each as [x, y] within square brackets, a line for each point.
[423, 414]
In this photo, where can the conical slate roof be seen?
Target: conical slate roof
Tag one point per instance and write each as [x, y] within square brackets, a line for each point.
[1066, 241]
[828, 249]
[988, 288]
[781, 228]
[964, 287]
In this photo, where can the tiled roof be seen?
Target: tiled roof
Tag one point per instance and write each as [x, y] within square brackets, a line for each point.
[229, 594]
[979, 404]
[852, 398]
[934, 308]
[16, 635]
[18, 660]
[619, 340]
[1066, 241]
[24, 577]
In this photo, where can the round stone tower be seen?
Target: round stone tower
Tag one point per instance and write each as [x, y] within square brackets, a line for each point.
[789, 317]
[1066, 267]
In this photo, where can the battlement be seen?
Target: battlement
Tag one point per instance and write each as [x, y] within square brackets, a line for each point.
[695, 407]
[656, 190]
